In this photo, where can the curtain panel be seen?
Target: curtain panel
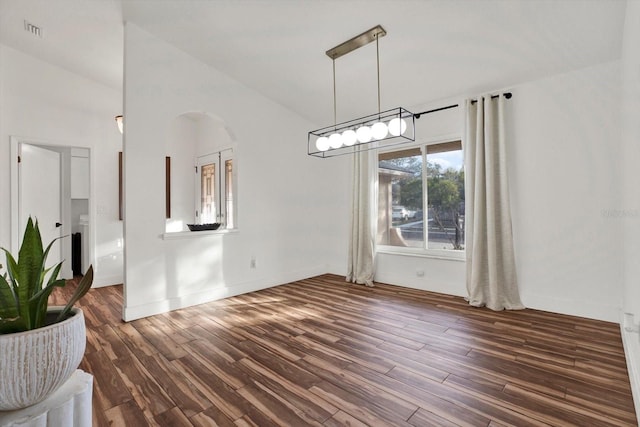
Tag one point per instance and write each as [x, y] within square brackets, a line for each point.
[491, 270]
[360, 263]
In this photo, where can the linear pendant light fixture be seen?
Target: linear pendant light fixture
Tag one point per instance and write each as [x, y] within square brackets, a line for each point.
[381, 129]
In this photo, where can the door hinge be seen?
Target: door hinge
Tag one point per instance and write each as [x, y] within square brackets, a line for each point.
[19, 159]
[196, 169]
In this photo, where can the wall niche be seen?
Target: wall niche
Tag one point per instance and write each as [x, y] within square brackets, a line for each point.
[190, 135]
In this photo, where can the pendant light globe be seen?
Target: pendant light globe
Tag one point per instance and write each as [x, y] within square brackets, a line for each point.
[363, 134]
[379, 130]
[397, 126]
[322, 143]
[335, 140]
[349, 137]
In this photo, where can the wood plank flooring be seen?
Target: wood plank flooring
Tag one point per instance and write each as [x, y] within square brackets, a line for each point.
[322, 352]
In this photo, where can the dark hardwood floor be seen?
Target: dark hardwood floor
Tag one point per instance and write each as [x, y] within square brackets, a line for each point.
[326, 353]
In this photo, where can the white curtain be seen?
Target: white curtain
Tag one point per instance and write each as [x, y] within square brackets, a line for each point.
[491, 270]
[360, 267]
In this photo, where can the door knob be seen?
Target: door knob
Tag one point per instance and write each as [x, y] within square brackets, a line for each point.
[58, 225]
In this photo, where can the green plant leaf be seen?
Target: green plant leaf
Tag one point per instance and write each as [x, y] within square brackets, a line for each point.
[24, 295]
[81, 290]
[42, 303]
[8, 303]
[43, 267]
[53, 279]
[12, 269]
[30, 260]
[40, 299]
[12, 326]
[13, 272]
[29, 272]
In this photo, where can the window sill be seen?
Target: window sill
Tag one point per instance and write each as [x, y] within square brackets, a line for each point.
[193, 234]
[446, 255]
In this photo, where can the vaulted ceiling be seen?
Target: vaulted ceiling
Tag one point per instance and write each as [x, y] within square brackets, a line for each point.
[434, 49]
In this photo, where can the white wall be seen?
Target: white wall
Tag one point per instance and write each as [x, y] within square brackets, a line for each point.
[630, 205]
[43, 103]
[292, 210]
[564, 185]
[564, 148]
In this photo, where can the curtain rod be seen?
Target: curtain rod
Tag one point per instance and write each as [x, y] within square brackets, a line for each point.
[507, 95]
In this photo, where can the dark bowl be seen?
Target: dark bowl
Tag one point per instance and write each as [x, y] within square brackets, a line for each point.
[203, 227]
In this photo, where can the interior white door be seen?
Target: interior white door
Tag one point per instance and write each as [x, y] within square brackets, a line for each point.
[39, 194]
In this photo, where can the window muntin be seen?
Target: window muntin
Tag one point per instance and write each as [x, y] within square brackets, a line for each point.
[418, 186]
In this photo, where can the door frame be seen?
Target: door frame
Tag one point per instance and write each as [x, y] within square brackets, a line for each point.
[16, 233]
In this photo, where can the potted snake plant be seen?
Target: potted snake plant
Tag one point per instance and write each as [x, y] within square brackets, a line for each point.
[40, 346]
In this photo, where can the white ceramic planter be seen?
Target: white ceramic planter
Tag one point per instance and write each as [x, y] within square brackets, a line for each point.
[35, 363]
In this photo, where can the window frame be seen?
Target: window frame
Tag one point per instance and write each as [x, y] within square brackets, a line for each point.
[219, 158]
[228, 204]
[425, 252]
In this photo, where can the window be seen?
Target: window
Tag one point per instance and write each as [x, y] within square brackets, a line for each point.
[215, 189]
[418, 186]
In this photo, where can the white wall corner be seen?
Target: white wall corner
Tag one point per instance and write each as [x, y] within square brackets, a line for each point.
[630, 331]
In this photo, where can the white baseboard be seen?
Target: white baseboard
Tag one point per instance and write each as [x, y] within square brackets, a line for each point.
[631, 342]
[101, 281]
[218, 292]
[590, 310]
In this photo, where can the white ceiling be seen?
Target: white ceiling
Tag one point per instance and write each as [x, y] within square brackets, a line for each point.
[434, 49]
[82, 36]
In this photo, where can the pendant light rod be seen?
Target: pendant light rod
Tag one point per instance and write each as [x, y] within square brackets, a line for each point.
[356, 42]
[378, 68]
[335, 120]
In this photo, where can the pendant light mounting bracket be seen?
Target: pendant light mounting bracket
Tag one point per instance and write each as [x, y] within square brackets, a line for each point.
[356, 42]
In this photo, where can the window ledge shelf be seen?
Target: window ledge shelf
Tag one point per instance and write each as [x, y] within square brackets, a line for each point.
[194, 234]
[435, 254]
